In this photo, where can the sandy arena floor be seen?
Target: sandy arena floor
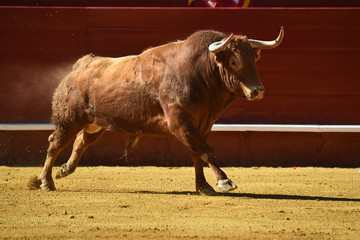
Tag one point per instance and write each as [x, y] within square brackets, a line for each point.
[160, 203]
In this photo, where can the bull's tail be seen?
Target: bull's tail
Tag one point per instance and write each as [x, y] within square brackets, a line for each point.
[131, 143]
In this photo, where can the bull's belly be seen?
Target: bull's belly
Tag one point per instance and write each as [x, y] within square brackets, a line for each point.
[152, 125]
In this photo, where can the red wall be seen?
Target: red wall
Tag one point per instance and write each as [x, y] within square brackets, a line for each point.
[313, 77]
[177, 3]
[97, 3]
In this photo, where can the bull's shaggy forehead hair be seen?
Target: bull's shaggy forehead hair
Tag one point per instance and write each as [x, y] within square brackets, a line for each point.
[240, 43]
[241, 46]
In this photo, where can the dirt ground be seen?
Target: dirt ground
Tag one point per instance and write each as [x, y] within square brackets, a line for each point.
[160, 203]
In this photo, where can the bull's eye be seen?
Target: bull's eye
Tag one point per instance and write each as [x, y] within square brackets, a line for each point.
[234, 63]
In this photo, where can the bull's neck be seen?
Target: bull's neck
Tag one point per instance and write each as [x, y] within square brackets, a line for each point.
[220, 96]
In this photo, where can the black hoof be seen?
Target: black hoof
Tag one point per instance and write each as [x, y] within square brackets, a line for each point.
[206, 190]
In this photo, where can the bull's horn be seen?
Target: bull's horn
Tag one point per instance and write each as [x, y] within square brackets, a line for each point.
[268, 44]
[219, 46]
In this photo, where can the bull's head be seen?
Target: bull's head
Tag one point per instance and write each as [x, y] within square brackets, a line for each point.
[236, 57]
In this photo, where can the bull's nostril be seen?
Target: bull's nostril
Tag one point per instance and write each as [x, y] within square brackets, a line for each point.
[254, 93]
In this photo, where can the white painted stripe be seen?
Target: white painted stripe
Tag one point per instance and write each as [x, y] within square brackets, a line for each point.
[285, 128]
[26, 126]
[216, 127]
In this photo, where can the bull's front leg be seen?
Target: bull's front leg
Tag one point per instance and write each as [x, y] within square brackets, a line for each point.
[223, 183]
[202, 186]
[189, 135]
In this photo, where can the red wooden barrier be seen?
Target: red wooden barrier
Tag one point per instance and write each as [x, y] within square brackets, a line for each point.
[178, 3]
[313, 77]
[96, 3]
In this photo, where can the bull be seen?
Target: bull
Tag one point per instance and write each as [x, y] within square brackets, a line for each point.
[176, 90]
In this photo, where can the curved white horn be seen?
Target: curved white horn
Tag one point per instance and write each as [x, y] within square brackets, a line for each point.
[268, 44]
[219, 46]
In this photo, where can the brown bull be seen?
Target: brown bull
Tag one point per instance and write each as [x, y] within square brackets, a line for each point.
[177, 90]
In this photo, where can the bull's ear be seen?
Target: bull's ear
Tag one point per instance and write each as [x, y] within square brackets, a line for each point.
[220, 58]
[219, 46]
[257, 52]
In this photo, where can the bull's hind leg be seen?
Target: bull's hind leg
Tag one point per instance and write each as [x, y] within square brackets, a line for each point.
[58, 140]
[83, 140]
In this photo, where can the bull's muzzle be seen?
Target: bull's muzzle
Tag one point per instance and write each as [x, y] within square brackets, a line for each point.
[253, 93]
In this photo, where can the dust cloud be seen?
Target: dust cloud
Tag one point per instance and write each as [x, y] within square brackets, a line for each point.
[26, 90]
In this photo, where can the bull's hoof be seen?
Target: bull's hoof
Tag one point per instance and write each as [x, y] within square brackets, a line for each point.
[206, 190]
[48, 186]
[63, 172]
[226, 185]
[36, 183]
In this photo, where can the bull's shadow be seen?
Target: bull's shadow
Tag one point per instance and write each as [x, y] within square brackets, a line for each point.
[231, 194]
[260, 196]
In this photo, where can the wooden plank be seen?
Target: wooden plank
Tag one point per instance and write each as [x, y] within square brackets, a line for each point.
[322, 38]
[97, 3]
[294, 109]
[329, 61]
[232, 20]
[318, 83]
[307, 3]
[315, 18]
[178, 3]
[42, 31]
[337, 40]
[41, 18]
[28, 148]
